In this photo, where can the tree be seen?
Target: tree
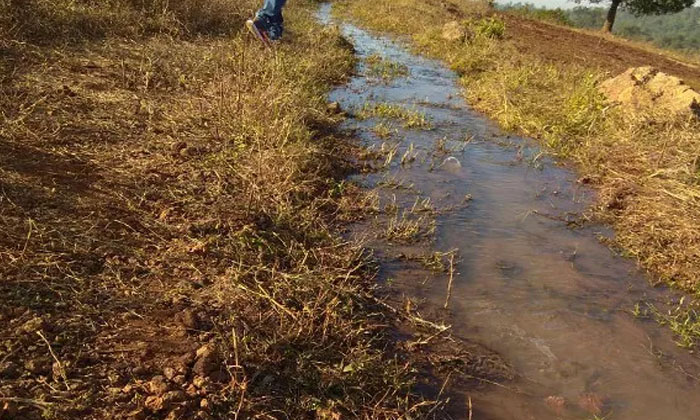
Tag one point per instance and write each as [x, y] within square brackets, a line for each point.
[642, 7]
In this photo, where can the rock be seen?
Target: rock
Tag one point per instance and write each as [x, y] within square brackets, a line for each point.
[327, 414]
[204, 404]
[8, 410]
[139, 414]
[334, 108]
[202, 415]
[139, 371]
[181, 368]
[154, 403]
[175, 414]
[9, 370]
[192, 390]
[454, 31]
[188, 319]
[171, 397]
[184, 361]
[201, 382]
[117, 395]
[556, 403]
[207, 360]
[169, 373]
[179, 379]
[591, 403]
[158, 385]
[641, 88]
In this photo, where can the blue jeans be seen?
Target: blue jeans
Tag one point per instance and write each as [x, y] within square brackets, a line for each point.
[271, 17]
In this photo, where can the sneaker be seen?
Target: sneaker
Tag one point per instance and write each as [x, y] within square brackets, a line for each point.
[258, 30]
[274, 33]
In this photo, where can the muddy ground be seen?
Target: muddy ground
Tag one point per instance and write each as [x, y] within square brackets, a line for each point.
[561, 44]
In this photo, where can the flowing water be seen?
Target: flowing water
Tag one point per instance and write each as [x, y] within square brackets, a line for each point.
[552, 300]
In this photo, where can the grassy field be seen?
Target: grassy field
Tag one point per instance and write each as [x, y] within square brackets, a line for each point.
[170, 193]
[646, 167]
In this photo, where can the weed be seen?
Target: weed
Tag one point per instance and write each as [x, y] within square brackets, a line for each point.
[435, 261]
[403, 228]
[389, 152]
[423, 205]
[491, 27]
[409, 156]
[639, 312]
[392, 182]
[410, 117]
[385, 69]
[683, 320]
[383, 130]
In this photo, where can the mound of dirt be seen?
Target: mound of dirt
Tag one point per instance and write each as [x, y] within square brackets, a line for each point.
[454, 31]
[646, 87]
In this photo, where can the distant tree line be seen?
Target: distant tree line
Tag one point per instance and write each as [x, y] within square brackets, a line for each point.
[679, 31]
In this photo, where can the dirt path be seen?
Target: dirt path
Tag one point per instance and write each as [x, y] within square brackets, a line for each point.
[555, 43]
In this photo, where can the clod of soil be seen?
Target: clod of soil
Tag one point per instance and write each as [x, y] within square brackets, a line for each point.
[454, 31]
[158, 385]
[207, 360]
[557, 403]
[188, 319]
[646, 87]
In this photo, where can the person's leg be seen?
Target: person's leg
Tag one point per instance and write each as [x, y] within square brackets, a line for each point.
[271, 16]
[272, 9]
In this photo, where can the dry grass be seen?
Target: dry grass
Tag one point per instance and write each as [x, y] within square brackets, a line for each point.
[69, 21]
[168, 201]
[646, 166]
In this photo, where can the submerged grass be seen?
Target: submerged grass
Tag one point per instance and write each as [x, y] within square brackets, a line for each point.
[383, 68]
[168, 196]
[410, 118]
[646, 166]
[407, 228]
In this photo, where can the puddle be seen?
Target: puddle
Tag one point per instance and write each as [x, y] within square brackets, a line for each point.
[552, 300]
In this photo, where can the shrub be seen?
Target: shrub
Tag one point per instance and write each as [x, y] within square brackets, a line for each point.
[492, 27]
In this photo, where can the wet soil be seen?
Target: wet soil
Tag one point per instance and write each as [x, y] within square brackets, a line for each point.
[532, 280]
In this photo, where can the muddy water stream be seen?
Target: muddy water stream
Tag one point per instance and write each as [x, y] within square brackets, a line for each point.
[552, 300]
